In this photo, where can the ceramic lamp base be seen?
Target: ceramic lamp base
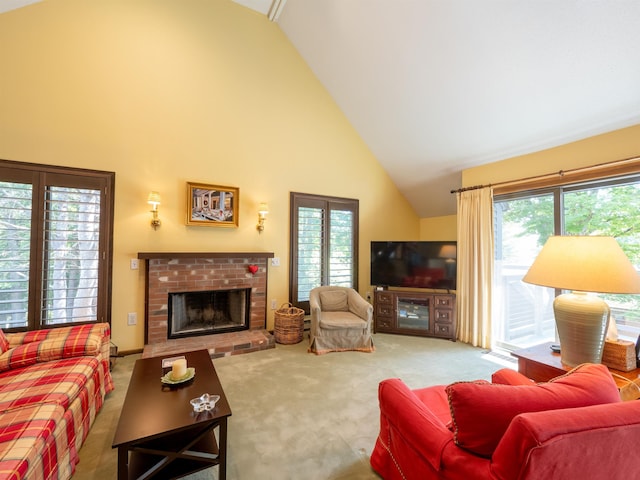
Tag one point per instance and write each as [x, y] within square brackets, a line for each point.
[582, 322]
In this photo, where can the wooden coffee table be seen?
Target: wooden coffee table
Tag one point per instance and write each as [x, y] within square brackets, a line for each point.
[541, 364]
[159, 433]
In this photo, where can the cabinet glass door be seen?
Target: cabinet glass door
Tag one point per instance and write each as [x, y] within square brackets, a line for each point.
[413, 313]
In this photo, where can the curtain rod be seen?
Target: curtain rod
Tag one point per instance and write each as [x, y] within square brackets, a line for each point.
[560, 173]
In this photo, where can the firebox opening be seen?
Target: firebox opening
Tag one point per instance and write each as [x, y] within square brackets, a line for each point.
[208, 312]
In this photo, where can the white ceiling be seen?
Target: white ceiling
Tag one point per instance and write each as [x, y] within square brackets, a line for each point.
[6, 5]
[437, 86]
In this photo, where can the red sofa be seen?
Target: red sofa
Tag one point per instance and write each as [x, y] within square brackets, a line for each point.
[52, 384]
[574, 426]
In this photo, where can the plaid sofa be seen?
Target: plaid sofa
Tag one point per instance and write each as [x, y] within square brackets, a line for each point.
[52, 384]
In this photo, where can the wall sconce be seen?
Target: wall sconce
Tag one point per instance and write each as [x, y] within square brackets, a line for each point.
[263, 209]
[154, 200]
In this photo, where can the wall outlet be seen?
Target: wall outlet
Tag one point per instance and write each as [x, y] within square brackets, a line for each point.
[132, 318]
[274, 304]
[275, 262]
[134, 264]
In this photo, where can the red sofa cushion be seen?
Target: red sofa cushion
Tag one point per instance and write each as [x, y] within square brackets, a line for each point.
[481, 412]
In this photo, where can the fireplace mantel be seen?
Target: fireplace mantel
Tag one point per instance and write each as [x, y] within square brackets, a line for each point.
[153, 255]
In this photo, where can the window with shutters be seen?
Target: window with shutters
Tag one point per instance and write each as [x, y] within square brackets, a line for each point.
[55, 245]
[324, 244]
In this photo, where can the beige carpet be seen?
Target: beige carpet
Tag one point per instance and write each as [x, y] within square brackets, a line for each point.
[299, 416]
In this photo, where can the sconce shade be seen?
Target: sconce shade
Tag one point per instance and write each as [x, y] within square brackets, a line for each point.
[153, 198]
[584, 264]
[263, 209]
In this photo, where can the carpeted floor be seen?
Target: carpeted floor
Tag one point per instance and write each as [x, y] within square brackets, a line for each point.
[299, 416]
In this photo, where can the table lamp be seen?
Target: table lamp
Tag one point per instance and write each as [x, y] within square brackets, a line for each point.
[582, 264]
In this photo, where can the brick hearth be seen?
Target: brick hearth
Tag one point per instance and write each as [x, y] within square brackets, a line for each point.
[182, 272]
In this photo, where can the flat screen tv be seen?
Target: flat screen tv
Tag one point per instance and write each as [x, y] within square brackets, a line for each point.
[414, 264]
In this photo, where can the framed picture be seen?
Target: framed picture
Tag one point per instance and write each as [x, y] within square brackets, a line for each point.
[212, 205]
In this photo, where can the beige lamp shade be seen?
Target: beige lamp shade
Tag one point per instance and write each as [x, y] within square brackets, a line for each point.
[584, 264]
[153, 199]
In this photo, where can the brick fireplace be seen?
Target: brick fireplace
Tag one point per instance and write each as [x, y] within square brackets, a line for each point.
[170, 273]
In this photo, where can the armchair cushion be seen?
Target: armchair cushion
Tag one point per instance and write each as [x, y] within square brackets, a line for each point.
[481, 412]
[334, 301]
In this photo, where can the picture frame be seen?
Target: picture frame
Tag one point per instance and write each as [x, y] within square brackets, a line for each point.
[212, 205]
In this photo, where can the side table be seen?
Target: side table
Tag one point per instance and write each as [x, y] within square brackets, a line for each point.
[541, 364]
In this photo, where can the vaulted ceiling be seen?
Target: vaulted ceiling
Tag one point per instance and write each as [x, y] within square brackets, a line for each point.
[437, 86]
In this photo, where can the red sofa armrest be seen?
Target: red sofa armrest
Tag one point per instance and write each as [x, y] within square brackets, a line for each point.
[507, 376]
[598, 441]
[409, 417]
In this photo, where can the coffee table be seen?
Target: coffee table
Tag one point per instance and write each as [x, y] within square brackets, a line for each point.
[159, 435]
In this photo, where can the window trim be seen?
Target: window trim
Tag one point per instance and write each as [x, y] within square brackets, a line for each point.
[39, 176]
[620, 168]
[297, 200]
[613, 176]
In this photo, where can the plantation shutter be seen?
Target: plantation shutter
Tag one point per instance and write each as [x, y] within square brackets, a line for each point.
[71, 255]
[55, 253]
[324, 232]
[15, 228]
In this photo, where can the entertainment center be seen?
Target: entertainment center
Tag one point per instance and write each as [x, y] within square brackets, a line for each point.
[408, 267]
[425, 314]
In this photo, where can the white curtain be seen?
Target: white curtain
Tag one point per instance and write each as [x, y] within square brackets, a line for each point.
[475, 266]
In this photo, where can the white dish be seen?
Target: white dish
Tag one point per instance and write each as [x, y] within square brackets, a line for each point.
[168, 380]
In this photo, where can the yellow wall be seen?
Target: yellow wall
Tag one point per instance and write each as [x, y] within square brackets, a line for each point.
[163, 93]
[438, 228]
[609, 147]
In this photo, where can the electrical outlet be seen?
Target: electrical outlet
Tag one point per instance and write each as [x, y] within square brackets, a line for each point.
[275, 262]
[132, 318]
[134, 264]
[274, 304]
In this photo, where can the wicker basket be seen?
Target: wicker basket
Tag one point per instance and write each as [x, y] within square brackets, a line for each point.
[288, 324]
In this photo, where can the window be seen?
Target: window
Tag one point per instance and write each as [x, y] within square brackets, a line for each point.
[55, 245]
[324, 244]
[523, 222]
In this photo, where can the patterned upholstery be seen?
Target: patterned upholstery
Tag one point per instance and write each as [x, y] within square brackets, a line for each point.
[4, 342]
[49, 402]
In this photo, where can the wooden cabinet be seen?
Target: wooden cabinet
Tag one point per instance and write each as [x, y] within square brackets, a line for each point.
[415, 313]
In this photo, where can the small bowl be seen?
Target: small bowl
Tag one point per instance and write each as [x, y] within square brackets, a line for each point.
[204, 402]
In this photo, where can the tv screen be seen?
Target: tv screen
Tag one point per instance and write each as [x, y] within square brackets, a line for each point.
[414, 264]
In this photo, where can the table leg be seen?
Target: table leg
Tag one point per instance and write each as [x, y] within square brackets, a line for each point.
[123, 463]
[222, 451]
